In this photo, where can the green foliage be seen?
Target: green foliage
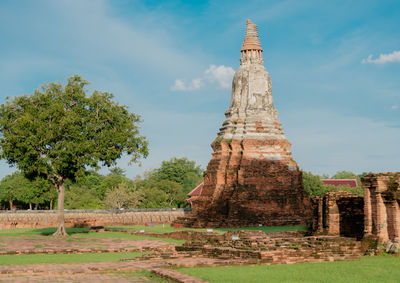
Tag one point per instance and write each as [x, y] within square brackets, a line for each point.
[82, 197]
[314, 186]
[176, 170]
[153, 197]
[65, 258]
[112, 181]
[58, 131]
[344, 175]
[368, 269]
[16, 187]
[117, 171]
[123, 196]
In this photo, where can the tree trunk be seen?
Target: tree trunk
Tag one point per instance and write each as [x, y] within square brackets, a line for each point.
[36, 206]
[10, 202]
[51, 204]
[30, 206]
[61, 232]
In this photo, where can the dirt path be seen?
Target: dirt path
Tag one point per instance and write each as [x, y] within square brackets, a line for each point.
[10, 245]
[79, 272]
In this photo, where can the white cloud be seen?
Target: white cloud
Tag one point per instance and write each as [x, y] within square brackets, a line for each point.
[182, 86]
[395, 107]
[383, 58]
[220, 75]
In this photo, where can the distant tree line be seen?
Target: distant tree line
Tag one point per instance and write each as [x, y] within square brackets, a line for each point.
[166, 186]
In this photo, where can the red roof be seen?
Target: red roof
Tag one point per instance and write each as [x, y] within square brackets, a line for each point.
[340, 182]
[196, 191]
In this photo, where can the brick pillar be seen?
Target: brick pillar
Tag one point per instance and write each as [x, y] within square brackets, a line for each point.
[320, 225]
[333, 218]
[367, 211]
[394, 220]
[381, 219]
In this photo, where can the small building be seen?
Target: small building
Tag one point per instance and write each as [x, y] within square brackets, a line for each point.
[195, 193]
[340, 182]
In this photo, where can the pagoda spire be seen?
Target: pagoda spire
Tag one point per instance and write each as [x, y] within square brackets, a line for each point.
[251, 47]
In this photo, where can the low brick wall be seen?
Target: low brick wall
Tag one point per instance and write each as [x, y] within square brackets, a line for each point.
[85, 218]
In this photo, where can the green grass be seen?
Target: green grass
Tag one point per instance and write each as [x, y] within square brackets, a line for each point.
[38, 232]
[78, 233]
[368, 269]
[65, 258]
[160, 229]
[124, 236]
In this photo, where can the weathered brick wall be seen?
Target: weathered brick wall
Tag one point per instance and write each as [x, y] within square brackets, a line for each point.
[381, 207]
[83, 218]
[339, 213]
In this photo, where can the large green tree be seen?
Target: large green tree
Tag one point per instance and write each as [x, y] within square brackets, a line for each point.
[181, 171]
[12, 188]
[59, 131]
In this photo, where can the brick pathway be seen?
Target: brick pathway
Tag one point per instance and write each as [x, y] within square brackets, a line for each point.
[94, 277]
[175, 275]
[65, 271]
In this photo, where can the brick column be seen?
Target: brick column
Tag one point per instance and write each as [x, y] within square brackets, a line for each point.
[333, 217]
[320, 227]
[367, 211]
[394, 221]
[381, 219]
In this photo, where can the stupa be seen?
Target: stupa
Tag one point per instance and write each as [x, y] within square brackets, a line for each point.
[252, 178]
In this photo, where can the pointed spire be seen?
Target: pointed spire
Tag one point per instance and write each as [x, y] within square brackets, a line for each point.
[251, 40]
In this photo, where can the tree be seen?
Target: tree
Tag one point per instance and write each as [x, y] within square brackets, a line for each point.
[313, 184]
[181, 171]
[58, 132]
[12, 188]
[117, 171]
[344, 175]
[123, 197]
[174, 191]
[36, 192]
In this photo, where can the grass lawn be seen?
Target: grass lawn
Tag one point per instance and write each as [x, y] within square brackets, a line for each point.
[74, 233]
[159, 228]
[65, 258]
[368, 269]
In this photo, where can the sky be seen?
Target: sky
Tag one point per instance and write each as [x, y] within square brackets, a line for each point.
[334, 66]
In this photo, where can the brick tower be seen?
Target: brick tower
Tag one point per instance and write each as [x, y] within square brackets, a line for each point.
[252, 178]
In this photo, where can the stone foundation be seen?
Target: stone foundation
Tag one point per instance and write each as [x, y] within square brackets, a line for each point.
[85, 218]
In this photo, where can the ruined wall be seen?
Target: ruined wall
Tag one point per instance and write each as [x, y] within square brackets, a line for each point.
[339, 213]
[381, 206]
[83, 218]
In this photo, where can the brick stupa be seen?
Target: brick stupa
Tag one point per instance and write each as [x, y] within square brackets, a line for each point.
[252, 178]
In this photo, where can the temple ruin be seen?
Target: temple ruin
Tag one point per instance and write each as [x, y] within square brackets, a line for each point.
[252, 178]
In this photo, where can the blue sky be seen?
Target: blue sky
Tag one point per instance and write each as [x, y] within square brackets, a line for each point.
[334, 65]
